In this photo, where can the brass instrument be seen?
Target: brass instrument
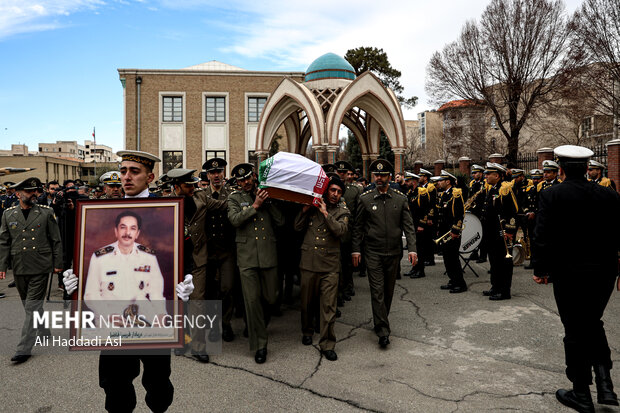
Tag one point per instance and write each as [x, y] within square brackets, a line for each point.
[470, 201]
[446, 237]
[502, 233]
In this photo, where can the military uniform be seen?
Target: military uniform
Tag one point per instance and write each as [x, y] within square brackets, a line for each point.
[420, 205]
[427, 250]
[256, 256]
[351, 198]
[116, 280]
[451, 215]
[499, 215]
[34, 247]
[319, 265]
[380, 221]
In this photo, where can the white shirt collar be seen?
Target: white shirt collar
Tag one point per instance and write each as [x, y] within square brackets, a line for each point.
[143, 194]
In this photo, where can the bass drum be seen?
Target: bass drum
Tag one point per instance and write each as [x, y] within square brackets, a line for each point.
[518, 254]
[471, 236]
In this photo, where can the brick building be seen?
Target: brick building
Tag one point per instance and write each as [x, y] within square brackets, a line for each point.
[188, 115]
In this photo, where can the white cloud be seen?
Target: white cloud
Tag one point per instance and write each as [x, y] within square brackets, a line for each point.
[23, 16]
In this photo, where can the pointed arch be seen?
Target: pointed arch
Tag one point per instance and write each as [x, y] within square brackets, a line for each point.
[283, 104]
[368, 93]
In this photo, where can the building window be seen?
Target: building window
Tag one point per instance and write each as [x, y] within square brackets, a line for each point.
[215, 154]
[40, 149]
[255, 107]
[173, 109]
[216, 109]
[172, 160]
[59, 149]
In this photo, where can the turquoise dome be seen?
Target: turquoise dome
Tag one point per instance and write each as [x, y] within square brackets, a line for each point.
[330, 66]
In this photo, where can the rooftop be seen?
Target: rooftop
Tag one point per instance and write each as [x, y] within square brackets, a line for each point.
[458, 104]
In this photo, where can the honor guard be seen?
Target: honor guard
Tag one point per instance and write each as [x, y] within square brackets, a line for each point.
[324, 226]
[550, 175]
[584, 273]
[254, 217]
[111, 185]
[420, 205]
[125, 273]
[595, 174]
[451, 215]
[477, 189]
[351, 197]
[30, 239]
[529, 209]
[430, 228]
[382, 216]
[221, 262]
[9, 198]
[499, 224]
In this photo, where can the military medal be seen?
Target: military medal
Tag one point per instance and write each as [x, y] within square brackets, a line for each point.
[141, 286]
[374, 207]
[111, 286]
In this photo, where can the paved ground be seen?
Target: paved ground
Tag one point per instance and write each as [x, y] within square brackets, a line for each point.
[449, 353]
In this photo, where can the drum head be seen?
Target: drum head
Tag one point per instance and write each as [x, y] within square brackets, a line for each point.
[518, 255]
[471, 236]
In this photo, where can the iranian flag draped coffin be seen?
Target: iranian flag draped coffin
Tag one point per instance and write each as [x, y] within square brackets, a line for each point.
[292, 177]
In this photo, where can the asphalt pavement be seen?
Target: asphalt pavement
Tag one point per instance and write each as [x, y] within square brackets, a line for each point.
[448, 353]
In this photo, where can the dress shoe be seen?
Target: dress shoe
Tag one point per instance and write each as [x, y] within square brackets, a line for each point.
[261, 356]
[429, 263]
[330, 355]
[306, 340]
[351, 292]
[578, 400]
[346, 297]
[179, 351]
[499, 296]
[227, 334]
[458, 289]
[20, 358]
[419, 274]
[12, 284]
[447, 286]
[488, 293]
[338, 313]
[203, 358]
[528, 266]
[412, 273]
[362, 274]
[340, 302]
[604, 386]
[481, 260]
[2, 295]
[384, 341]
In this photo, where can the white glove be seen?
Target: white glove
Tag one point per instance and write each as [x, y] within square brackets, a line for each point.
[185, 288]
[70, 281]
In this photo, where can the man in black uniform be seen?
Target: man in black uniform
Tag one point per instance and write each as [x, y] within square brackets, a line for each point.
[430, 229]
[477, 187]
[550, 175]
[420, 205]
[451, 215]
[499, 225]
[595, 174]
[583, 272]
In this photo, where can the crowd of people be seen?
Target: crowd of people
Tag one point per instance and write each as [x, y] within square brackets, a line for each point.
[248, 250]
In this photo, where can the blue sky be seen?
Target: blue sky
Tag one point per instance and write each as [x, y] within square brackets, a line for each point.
[59, 58]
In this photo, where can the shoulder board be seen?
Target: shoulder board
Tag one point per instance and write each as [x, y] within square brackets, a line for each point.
[530, 182]
[539, 186]
[422, 191]
[605, 182]
[529, 188]
[560, 181]
[367, 192]
[44, 206]
[235, 192]
[430, 187]
[398, 192]
[511, 183]
[457, 192]
[146, 249]
[13, 207]
[505, 188]
[487, 185]
[104, 251]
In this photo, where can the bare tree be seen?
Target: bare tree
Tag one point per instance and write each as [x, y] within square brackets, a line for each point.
[510, 61]
[597, 35]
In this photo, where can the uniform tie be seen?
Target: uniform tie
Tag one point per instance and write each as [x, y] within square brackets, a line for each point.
[215, 195]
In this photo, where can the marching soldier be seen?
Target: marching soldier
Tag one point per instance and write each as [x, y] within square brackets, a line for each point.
[550, 175]
[221, 262]
[30, 237]
[584, 273]
[499, 223]
[254, 217]
[197, 206]
[420, 205]
[320, 263]
[382, 216]
[112, 186]
[451, 214]
[351, 197]
[430, 228]
[477, 188]
[595, 174]
[529, 208]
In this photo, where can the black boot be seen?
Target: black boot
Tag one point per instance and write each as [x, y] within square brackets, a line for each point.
[579, 399]
[419, 274]
[604, 387]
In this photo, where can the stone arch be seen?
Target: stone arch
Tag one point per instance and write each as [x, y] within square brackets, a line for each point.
[368, 93]
[282, 107]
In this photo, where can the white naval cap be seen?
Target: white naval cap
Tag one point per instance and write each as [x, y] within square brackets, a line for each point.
[477, 168]
[549, 165]
[494, 167]
[409, 175]
[425, 172]
[516, 172]
[435, 178]
[592, 164]
[573, 152]
[536, 173]
[446, 175]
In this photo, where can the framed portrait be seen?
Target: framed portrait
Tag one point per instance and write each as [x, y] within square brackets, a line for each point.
[128, 259]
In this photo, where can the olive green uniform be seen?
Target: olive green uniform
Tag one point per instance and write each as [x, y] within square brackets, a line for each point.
[351, 197]
[257, 259]
[319, 265]
[380, 222]
[34, 247]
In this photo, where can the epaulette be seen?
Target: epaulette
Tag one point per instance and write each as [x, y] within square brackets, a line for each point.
[146, 249]
[367, 192]
[457, 192]
[398, 192]
[10, 208]
[422, 191]
[104, 251]
[529, 188]
[505, 188]
[487, 185]
[530, 182]
[539, 186]
[471, 183]
[45, 206]
[430, 187]
[511, 183]
[605, 182]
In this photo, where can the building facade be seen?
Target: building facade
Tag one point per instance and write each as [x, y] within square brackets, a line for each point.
[189, 115]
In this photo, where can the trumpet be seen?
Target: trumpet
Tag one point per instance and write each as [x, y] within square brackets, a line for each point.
[502, 233]
[444, 238]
